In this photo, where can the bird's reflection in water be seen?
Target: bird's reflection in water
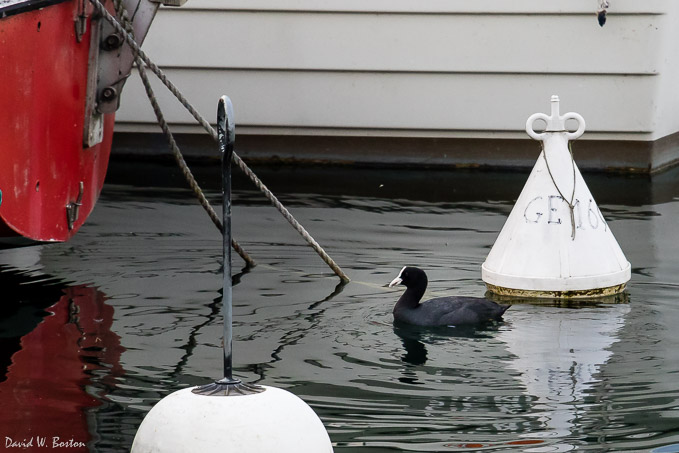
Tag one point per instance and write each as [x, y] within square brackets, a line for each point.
[415, 339]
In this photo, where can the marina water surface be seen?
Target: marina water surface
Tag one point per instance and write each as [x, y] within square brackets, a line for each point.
[95, 331]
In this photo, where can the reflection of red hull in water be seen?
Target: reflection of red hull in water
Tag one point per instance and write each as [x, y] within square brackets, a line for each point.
[43, 92]
[44, 396]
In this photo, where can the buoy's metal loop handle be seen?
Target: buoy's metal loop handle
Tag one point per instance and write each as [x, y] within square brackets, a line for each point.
[581, 125]
[529, 125]
[555, 122]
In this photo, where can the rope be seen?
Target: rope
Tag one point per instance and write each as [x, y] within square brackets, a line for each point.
[121, 12]
[570, 204]
[140, 55]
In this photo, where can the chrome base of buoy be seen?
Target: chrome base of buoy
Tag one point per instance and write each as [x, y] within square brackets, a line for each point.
[612, 294]
[228, 387]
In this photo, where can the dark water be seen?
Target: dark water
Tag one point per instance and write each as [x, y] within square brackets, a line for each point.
[95, 331]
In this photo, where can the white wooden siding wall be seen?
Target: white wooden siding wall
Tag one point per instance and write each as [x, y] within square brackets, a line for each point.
[467, 68]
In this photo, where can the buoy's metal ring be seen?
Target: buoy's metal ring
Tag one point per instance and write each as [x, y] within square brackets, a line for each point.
[529, 125]
[581, 125]
[555, 125]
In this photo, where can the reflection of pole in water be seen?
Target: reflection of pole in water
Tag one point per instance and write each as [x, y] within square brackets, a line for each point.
[559, 353]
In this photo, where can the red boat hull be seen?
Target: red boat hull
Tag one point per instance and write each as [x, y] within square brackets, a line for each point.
[43, 86]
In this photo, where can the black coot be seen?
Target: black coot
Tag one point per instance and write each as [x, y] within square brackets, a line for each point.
[441, 311]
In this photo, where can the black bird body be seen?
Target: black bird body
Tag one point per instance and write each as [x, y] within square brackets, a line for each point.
[440, 311]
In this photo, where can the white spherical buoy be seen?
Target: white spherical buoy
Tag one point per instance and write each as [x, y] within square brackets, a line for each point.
[274, 420]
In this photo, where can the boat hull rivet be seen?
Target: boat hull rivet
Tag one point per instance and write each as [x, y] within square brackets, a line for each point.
[108, 94]
[112, 42]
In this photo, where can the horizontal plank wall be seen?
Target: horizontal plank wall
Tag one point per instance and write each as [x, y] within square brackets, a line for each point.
[449, 69]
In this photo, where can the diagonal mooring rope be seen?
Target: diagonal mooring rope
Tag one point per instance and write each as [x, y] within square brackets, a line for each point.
[176, 152]
[210, 130]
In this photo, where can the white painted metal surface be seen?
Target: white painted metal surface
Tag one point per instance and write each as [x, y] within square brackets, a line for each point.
[546, 245]
[272, 421]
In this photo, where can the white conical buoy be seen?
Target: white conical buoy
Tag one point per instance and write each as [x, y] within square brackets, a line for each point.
[556, 242]
[228, 415]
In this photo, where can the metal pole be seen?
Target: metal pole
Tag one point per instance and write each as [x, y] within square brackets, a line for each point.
[226, 134]
[228, 385]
